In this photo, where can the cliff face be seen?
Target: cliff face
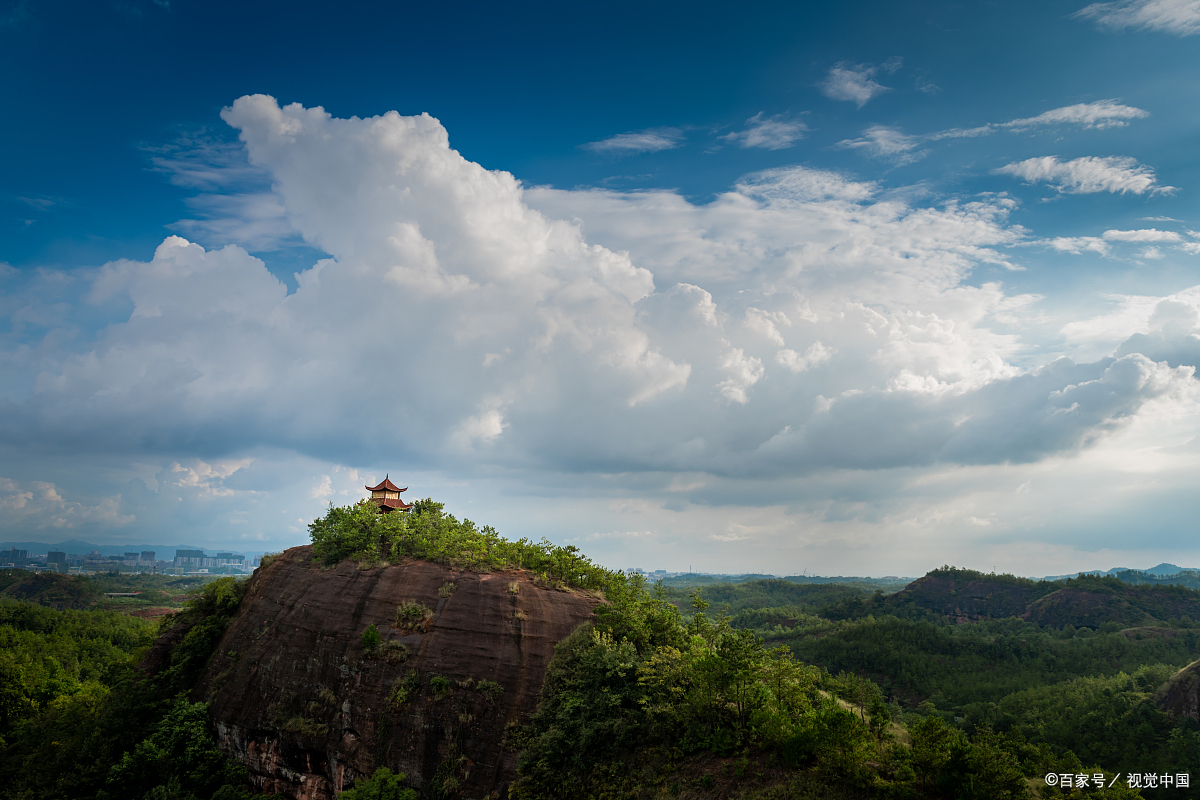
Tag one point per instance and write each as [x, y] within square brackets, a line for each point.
[299, 701]
[1180, 695]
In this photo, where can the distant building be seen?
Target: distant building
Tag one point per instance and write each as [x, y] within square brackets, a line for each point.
[387, 496]
[189, 558]
[14, 556]
[148, 556]
[56, 557]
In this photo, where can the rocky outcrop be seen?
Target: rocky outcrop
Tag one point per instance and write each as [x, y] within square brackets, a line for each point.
[1180, 695]
[299, 699]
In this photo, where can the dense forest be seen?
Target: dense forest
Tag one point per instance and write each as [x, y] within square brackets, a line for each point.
[961, 685]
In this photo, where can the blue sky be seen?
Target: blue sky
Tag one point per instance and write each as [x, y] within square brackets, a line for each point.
[858, 289]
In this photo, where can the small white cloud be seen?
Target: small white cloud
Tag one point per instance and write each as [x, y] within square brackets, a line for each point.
[853, 83]
[1180, 17]
[883, 141]
[784, 185]
[1088, 175]
[1144, 235]
[816, 354]
[1151, 252]
[769, 133]
[648, 141]
[1080, 244]
[744, 371]
[1099, 114]
[322, 490]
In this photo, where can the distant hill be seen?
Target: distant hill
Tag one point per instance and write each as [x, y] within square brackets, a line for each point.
[60, 592]
[960, 595]
[1161, 571]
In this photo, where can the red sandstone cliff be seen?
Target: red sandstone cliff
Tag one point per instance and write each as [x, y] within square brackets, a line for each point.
[297, 700]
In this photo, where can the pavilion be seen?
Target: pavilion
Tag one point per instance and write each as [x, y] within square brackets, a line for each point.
[387, 496]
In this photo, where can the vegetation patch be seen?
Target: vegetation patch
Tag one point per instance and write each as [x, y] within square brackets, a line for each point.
[426, 532]
[413, 616]
[490, 690]
[404, 688]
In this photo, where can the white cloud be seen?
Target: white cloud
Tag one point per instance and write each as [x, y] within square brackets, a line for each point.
[1080, 244]
[1099, 114]
[815, 355]
[34, 506]
[648, 141]
[1143, 235]
[882, 141]
[1088, 175]
[768, 133]
[852, 82]
[819, 346]
[1180, 17]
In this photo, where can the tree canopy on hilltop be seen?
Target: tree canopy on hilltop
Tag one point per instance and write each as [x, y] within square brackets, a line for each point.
[362, 533]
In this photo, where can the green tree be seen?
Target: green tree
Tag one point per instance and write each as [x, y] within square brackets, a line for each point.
[383, 785]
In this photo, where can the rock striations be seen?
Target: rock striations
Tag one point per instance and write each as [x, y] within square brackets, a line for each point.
[309, 708]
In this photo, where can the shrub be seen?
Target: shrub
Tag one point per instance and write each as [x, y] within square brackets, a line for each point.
[403, 689]
[439, 685]
[447, 589]
[371, 639]
[492, 691]
[411, 615]
[394, 652]
[383, 785]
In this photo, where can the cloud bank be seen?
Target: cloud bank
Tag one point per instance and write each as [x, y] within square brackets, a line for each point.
[798, 327]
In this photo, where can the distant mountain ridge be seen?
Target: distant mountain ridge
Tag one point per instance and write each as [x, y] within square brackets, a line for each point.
[1163, 570]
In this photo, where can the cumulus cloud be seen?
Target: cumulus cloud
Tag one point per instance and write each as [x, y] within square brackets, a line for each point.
[648, 141]
[768, 133]
[1180, 17]
[853, 82]
[1088, 175]
[39, 505]
[799, 322]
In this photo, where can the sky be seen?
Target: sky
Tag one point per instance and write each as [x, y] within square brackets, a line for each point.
[861, 288]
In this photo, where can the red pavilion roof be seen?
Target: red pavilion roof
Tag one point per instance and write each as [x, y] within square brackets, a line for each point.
[387, 485]
[388, 502]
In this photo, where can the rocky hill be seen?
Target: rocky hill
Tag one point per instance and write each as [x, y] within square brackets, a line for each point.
[309, 706]
[960, 595]
[1180, 695]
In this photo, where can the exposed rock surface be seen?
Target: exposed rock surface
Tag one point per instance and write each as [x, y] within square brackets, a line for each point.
[296, 698]
[1180, 695]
